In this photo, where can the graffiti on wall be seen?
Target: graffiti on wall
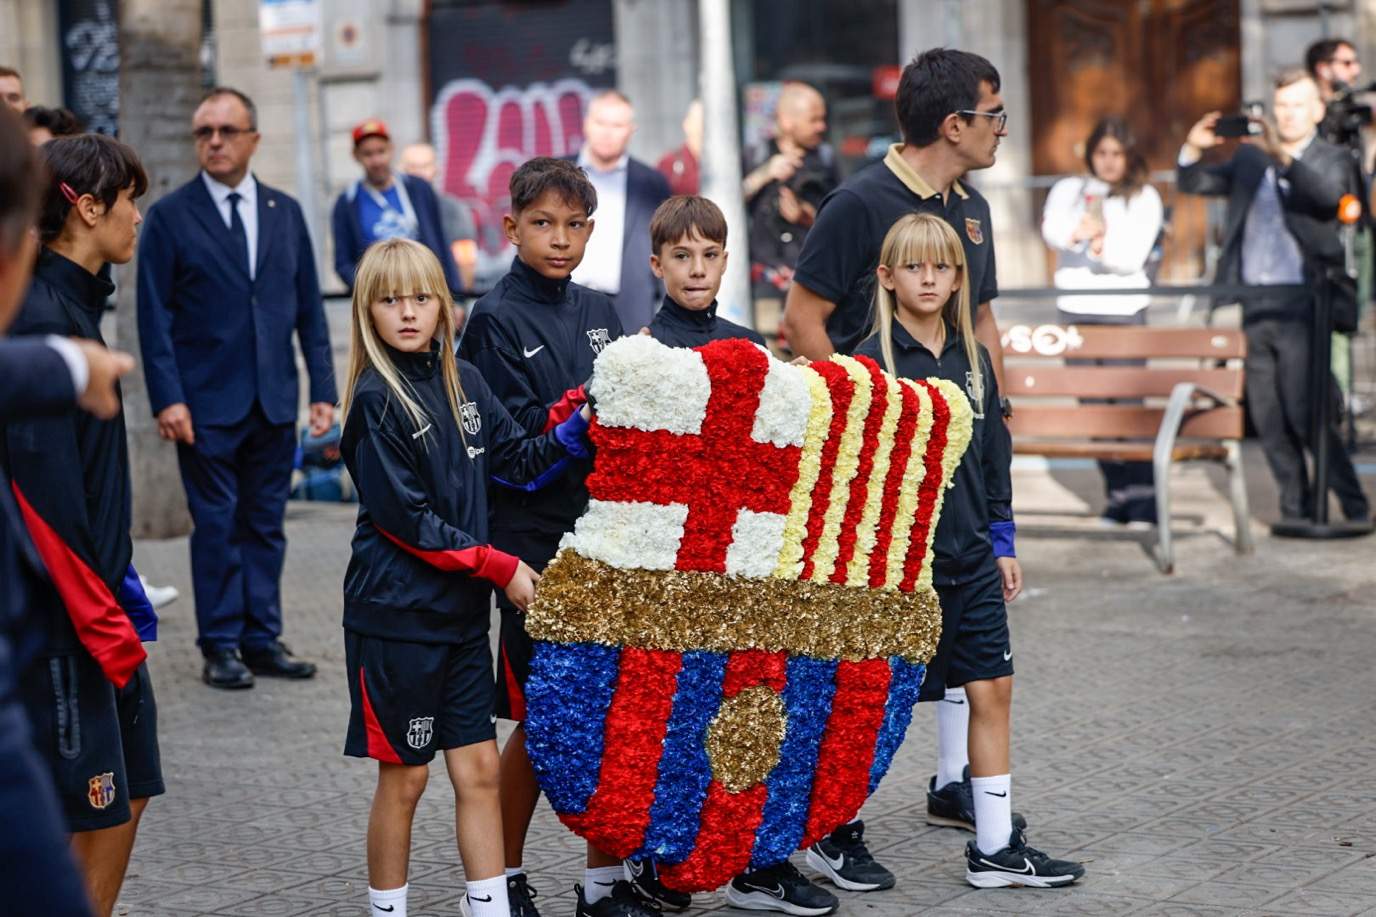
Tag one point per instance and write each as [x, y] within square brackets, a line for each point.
[90, 62]
[481, 136]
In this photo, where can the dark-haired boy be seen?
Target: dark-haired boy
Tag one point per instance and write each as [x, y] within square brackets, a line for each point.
[534, 338]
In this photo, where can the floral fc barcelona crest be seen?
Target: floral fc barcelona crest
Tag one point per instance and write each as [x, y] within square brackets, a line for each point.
[470, 418]
[100, 790]
[974, 230]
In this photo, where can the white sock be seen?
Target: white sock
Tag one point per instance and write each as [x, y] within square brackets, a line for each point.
[389, 901]
[952, 737]
[597, 883]
[487, 897]
[514, 871]
[993, 812]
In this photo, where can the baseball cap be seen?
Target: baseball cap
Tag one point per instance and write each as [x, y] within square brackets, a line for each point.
[373, 127]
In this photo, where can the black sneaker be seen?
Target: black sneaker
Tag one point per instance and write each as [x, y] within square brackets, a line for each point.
[843, 858]
[644, 878]
[622, 902]
[953, 806]
[1017, 864]
[521, 896]
[780, 888]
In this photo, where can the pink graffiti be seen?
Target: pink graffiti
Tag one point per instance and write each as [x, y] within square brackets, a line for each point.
[482, 135]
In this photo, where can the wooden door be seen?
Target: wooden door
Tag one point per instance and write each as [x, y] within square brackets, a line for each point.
[1159, 63]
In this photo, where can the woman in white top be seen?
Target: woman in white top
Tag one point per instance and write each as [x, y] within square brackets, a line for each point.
[1103, 227]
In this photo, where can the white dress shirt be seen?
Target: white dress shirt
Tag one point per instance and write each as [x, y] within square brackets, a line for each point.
[248, 210]
[601, 267]
[1131, 226]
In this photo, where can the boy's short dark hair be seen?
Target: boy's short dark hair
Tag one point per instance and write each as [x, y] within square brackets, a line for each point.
[10, 71]
[60, 122]
[91, 164]
[536, 177]
[686, 215]
[21, 182]
[1323, 51]
[935, 84]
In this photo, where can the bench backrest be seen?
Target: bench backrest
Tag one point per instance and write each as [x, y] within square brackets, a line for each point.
[1042, 377]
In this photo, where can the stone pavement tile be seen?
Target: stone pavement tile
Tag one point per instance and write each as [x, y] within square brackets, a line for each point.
[1241, 896]
[1311, 901]
[272, 906]
[1357, 878]
[1184, 867]
[1217, 848]
[1170, 909]
[208, 897]
[1139, 842]
[1280, 872]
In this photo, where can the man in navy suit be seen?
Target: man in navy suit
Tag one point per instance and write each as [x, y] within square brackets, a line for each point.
[628, 191]
[226, 275]
[384, 204]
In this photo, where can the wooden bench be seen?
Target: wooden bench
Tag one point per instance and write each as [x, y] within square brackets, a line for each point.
[1191, 412]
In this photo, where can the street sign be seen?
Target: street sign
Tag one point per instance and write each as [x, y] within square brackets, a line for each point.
[290, 31]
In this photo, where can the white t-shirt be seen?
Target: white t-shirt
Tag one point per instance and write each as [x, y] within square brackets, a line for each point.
[1131, 226]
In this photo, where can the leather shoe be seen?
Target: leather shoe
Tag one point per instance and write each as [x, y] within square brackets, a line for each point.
[275, 661]
[224, 670]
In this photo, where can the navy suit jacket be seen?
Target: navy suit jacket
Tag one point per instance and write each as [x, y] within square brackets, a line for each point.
[641, 291]
[349, 243]
[215, 339]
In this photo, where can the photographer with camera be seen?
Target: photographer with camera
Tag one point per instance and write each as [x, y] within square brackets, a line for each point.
[785, 181]
[1283, 186]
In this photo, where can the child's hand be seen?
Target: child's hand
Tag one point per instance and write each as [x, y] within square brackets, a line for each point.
[1011, 571]
[521, 589]
[585, 411]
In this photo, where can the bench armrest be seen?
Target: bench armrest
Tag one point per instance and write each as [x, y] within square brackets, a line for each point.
[1182, 397]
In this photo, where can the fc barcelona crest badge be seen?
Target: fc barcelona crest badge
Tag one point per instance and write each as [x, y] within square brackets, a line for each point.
[598, 338]
[100, 790]
[470, 418]
[974, 231]
[420, 732]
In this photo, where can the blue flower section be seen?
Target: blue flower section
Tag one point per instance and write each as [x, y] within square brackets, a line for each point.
[807, 698]
[684, 770]
[904, 683]
[568, 694]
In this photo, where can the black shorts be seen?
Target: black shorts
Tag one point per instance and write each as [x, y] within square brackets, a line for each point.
[515, 647]
[411, 699]
[100, 742]
[974, 644]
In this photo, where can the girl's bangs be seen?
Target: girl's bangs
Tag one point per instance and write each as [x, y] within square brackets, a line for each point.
[925, 240]
[401, 270]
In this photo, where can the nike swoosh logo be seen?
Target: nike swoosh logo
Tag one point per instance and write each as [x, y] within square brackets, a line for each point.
[776, 892]
[948, 700]
[1027, 866]
[487, 900]
[1007, 655]
[386, 910]
[421, 432]
[834, 864]
[992, 793]
[531, 353]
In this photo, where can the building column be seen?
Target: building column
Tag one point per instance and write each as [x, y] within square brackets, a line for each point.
[657, 69]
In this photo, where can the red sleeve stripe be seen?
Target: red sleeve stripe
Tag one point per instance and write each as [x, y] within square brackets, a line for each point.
[565, 407]
[101, 624]
[482, 561]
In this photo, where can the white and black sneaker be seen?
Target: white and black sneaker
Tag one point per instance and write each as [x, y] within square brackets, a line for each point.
[780, 888]
[1017, 864]
[953, 806]
[521, 896]
[843, 859]
[644, 878]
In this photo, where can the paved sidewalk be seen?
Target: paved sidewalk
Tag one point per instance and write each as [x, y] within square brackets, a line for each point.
[1204, 741]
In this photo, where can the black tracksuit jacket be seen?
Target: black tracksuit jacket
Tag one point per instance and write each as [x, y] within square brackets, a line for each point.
[422, 501]
[983, 492]
[534, 341]
[680, 327]
[70, 478]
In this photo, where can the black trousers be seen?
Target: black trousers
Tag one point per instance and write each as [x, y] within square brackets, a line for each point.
[1278, 398]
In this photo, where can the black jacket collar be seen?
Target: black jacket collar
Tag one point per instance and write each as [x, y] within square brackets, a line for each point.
[699, 318]
[906, 341]
[536, 285]
[416, 366]
[87, 289]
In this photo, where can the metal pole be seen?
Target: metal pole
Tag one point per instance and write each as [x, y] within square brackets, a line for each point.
[721, 153]
[305, 171]
[1322, 384]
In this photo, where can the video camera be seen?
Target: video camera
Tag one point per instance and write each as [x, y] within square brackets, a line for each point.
[1343, 121]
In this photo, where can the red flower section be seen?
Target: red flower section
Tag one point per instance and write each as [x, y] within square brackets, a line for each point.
[748, 668]
[842, 391]
[619, 811]
[847, 752]
[859, 485]
[931, 488]
[655, 466]
[898, 466]
[725, 840]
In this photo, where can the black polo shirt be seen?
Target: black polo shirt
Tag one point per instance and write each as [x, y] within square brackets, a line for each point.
[842, 248]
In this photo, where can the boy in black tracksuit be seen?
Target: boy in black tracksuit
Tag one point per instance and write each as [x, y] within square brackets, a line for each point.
[534, 339]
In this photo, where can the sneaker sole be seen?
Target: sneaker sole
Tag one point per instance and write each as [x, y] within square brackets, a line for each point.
[942, 821]
[646, 896]
[760, 901]
[820, 864]
[1014, 879]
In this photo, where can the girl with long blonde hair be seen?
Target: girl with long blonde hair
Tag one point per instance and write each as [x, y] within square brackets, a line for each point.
[924, 328]
[423, 435]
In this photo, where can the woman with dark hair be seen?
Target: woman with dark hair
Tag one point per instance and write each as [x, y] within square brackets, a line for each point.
[1102, 227]
[46, 123]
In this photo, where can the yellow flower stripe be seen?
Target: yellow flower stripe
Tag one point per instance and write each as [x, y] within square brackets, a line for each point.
[858, 571]
[790, 564]
[843, 471]
[959, 430]
[906, 516]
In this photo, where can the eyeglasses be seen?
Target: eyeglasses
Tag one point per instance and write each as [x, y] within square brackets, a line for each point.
[229, 132]
[1000, 117]
[1344, 61]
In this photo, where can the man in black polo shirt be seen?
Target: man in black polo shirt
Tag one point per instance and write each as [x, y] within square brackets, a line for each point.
[952, 118]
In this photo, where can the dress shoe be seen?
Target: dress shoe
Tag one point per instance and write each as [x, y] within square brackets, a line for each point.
[275, 661]
[224, 670]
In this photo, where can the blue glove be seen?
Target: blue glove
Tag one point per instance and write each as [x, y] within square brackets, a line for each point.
[135, 603]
